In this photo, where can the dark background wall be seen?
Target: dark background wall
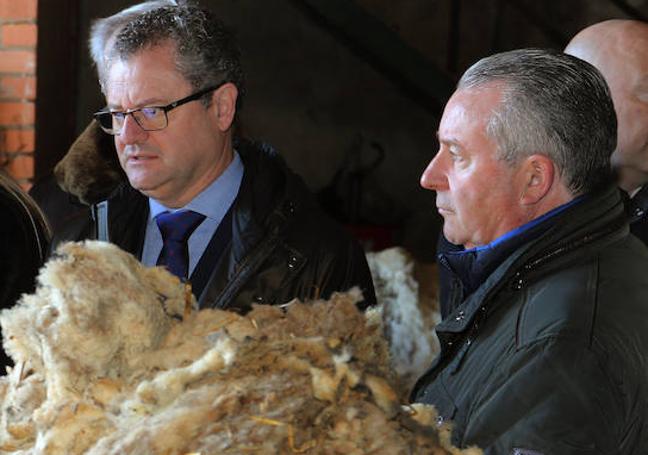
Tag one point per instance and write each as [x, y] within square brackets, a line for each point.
[350, 91]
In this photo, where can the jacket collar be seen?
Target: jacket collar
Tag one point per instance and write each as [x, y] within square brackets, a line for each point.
[90, 170]
[596, 218]
[472, 266]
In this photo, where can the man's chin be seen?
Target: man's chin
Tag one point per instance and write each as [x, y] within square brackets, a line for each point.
[144, 186]
[450, 236]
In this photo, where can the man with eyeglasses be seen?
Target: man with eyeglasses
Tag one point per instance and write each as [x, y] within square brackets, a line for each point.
[225, 214]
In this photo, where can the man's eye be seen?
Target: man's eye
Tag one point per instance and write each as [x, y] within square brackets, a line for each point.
[150, 112]
[118, 115]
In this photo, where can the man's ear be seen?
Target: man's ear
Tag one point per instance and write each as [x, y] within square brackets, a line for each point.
[224, 103]
[538, 176]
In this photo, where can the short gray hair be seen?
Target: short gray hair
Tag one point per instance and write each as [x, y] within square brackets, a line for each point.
[206, 50]
[104, 31]
[554, 104]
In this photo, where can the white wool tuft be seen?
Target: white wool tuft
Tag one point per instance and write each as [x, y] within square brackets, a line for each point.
[112, 358]
[408, 314]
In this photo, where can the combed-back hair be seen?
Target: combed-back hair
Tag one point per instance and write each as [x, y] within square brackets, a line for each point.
[554, 104]
[206, 50]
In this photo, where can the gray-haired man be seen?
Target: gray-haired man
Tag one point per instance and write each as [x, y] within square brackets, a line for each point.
[545, 349]
[228, 216]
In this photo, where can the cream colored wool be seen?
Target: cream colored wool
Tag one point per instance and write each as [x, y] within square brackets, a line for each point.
[111, 359]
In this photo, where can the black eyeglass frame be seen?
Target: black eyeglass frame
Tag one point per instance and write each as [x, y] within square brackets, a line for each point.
[165, 109]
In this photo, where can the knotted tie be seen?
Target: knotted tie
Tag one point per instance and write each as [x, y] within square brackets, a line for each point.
[176, 228]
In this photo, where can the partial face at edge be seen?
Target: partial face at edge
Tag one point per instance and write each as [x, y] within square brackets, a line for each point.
[629, 88]
[619, 50]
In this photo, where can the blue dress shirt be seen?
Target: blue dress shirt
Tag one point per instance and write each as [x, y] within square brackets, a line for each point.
[213, 202]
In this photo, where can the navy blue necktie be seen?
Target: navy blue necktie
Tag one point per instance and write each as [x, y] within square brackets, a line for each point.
[176, 228]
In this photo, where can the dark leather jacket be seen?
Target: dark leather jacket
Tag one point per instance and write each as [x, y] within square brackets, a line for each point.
[282, 245]
[24, 240]
[549, 354]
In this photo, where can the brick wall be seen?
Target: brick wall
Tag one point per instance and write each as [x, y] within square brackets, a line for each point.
[17, 88]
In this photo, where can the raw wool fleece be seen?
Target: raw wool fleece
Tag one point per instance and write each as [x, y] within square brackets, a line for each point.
[409, 312]
[111, 358]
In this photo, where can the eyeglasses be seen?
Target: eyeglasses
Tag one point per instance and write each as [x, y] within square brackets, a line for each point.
[150, 118]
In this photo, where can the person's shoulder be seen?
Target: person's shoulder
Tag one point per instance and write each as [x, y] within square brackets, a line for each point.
[258, 155]
[589, 297]
[559, 304]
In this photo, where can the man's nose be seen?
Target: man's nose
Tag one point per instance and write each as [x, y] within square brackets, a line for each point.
[434, 177]
[131, 132]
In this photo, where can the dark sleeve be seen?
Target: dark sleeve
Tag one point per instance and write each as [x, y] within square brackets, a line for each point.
[23, 246]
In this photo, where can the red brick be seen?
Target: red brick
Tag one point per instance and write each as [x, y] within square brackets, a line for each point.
[18, 141]
[18, 9]
[17, 62]
[17, 35]
[17, 113]
[22, 88]
[21, 166]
